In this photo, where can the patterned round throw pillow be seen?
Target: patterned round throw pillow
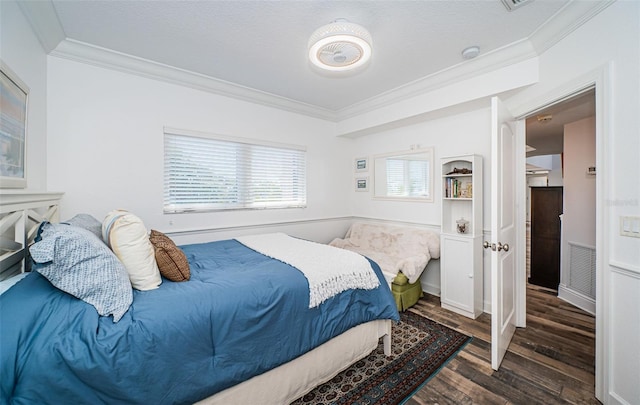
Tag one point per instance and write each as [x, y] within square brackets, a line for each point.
[172, 261]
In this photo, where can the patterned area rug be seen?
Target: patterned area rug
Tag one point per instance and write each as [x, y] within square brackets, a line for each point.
[420, 348]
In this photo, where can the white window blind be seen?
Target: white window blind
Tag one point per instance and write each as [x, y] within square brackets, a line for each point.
[407, 178]
[204, 173]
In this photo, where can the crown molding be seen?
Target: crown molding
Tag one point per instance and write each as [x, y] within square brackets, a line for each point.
[565, 21]
[107, 58]
[508, 55]
[44, 22]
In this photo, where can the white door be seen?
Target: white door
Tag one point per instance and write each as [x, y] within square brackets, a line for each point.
[503, 231]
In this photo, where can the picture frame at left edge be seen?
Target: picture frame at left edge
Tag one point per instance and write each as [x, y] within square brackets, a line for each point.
[14, 96]
[361, 164]
[362, 183]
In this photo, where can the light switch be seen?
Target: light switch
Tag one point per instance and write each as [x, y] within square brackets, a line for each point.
[630, 226]
[626, 224]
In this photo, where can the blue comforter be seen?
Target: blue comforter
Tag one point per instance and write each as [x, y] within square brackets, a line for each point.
[240, 315]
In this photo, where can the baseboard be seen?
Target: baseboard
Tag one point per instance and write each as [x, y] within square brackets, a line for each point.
[486, 307]
[431, 289]
[575, 298]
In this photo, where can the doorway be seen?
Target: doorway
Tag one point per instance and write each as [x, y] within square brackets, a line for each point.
[600, 81]
[561, 154]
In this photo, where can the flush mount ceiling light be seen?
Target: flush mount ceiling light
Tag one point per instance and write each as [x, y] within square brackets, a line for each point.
[471, 52]
[543, 119]
[340, 46]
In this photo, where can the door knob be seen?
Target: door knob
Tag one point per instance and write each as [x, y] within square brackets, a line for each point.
[488, 245]
[504, 247]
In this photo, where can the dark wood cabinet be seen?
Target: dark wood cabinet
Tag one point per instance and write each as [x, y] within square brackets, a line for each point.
[546, 207]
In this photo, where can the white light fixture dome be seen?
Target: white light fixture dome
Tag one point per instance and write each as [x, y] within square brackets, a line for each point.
[340, 46]
[471, 52]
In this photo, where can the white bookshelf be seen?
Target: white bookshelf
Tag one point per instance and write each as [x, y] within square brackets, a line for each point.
[461, 269]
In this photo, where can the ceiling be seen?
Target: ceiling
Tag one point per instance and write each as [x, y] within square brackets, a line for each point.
[545, 129]
[262, 45]
[257, 50]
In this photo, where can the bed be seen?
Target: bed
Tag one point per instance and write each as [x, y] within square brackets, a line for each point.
[240, 330]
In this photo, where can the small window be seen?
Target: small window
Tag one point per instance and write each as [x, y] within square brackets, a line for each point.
[407, 178]
[406, 175]
[204, 172]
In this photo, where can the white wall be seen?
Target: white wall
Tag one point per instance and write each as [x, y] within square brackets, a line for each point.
[105, 149]
[552, 163]
[555, 174]
[542, 161]
[22, 52]
[579, 212]
[607, 50]
[457, 134]
[579, 192]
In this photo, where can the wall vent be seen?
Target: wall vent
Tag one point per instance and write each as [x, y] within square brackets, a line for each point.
[513, 4]
[582, 269]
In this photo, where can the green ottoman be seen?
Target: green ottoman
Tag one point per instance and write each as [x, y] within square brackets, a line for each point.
[405, 294]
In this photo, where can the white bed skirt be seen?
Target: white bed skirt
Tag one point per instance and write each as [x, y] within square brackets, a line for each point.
[292, 380]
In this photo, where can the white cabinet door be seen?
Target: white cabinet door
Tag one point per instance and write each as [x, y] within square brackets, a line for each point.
[461, 275]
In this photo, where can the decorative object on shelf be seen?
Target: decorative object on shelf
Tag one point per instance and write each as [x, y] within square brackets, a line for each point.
[462, 225]
[13, 129]
[362, 183]
[460, 171]
[361, 164]
[340, 46]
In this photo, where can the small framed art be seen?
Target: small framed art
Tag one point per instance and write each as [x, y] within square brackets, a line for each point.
[13, 129]
[362, 184]
[361, 164]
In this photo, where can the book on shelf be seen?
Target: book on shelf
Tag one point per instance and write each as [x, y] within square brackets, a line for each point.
[455, 188]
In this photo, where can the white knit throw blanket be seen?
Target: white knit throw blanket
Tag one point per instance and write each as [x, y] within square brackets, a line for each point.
[328, 269]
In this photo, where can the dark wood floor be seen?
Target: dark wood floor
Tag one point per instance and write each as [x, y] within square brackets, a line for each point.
[551, 361]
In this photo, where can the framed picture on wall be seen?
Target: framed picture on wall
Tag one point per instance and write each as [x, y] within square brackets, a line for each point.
[13, 129]
[362, 184]
[361, 164]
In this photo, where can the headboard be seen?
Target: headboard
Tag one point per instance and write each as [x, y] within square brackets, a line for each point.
[20, 214]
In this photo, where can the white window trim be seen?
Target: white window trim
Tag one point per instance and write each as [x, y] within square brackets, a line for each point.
[247, 205]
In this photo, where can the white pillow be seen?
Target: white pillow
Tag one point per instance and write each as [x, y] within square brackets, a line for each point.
[126, 235]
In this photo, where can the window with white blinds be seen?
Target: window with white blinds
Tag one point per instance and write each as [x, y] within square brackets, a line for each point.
[204, 172]
[407, 178]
